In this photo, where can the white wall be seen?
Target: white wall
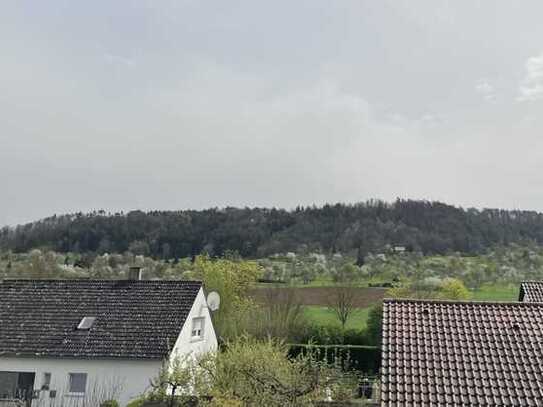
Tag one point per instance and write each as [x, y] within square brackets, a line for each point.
[185, 344]
[134, 375]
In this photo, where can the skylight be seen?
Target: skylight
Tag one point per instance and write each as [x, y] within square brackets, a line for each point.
[86, 323]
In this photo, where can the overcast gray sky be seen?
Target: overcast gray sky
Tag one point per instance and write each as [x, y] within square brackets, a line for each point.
[189, 104]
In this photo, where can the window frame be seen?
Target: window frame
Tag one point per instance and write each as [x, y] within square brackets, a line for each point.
[200, 337]
[70, 377]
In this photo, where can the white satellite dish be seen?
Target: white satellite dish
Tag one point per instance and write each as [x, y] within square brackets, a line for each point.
[213, 300]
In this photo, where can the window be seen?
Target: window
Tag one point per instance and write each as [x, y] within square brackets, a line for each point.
[78, 383]
[198, 328]
[16, 385]
[8, 384]
[46, 383]
[86, 323]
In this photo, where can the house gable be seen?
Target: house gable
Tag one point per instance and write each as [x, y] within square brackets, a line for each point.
[134, 319]
[186, 344]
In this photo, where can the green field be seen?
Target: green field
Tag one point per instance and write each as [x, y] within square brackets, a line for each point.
[497, 293]
[323, 316]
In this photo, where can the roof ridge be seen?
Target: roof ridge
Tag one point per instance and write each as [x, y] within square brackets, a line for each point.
[88, 280]
[458, 302]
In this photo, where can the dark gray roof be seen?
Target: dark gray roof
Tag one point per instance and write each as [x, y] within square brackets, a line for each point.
[531, 291]
[444, 353]
[134, 319]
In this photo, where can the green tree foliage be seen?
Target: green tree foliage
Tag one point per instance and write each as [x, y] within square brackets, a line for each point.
[260, 373]
[139, 247]
[279, 315]
[341, 302]
[432, 288]
[454, 289]
[42, 265]
[232, 280]
[346, 273]
[182, 376]
[360, 229]
[374, 325]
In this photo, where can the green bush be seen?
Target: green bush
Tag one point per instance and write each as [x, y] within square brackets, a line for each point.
[322, 335]
[136, 403]
[110, 403]
[331, 335]
[347, 357]
[374, 325]
[356, 337]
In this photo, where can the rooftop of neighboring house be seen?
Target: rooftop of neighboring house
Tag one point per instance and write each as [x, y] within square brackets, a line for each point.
[531, 291]
[447, 353]
[93, 318]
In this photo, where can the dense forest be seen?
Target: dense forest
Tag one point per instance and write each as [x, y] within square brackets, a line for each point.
[429, 227]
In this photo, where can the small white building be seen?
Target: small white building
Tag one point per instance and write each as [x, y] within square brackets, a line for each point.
[77, 343]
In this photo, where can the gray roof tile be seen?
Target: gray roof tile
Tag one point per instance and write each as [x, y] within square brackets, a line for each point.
[135, 319]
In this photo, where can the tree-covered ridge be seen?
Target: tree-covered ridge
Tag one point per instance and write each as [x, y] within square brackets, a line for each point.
[430, 227]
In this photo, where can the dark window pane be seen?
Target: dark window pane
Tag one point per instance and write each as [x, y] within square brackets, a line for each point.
[78, 382]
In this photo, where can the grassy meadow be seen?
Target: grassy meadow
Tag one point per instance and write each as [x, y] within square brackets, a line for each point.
[319, 315]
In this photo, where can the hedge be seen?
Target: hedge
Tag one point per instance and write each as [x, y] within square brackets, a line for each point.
[366, 359]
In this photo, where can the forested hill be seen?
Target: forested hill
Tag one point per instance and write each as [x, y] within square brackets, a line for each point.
[431, 227]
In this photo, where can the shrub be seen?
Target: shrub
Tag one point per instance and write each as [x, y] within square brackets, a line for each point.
[110, 403]
[331, 335]
[322, 335]
[454, 289]
[356, 337]
[260, 373]
[136, 403]
[347, 357]
[374, 325]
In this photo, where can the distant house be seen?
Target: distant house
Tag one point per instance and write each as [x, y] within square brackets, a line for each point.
[531, 291]
[80, 342]
[443, 353]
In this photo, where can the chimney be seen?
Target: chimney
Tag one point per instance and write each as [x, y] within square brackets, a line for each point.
[134, 273]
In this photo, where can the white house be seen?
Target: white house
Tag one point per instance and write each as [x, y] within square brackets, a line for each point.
[80, 342]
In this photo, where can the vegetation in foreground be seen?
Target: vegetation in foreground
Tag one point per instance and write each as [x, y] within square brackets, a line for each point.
[251, 372]
[263, 330]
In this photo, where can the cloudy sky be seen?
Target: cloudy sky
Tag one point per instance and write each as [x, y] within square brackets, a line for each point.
[193, 103]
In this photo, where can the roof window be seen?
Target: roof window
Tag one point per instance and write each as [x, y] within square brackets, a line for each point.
[86, 323]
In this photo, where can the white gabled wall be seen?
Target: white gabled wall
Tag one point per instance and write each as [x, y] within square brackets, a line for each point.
[184, 343]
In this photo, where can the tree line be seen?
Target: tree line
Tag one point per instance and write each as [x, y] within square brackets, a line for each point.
[425, 226]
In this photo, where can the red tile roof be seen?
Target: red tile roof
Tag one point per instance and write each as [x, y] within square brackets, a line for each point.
[531, 291]
[443, 353]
